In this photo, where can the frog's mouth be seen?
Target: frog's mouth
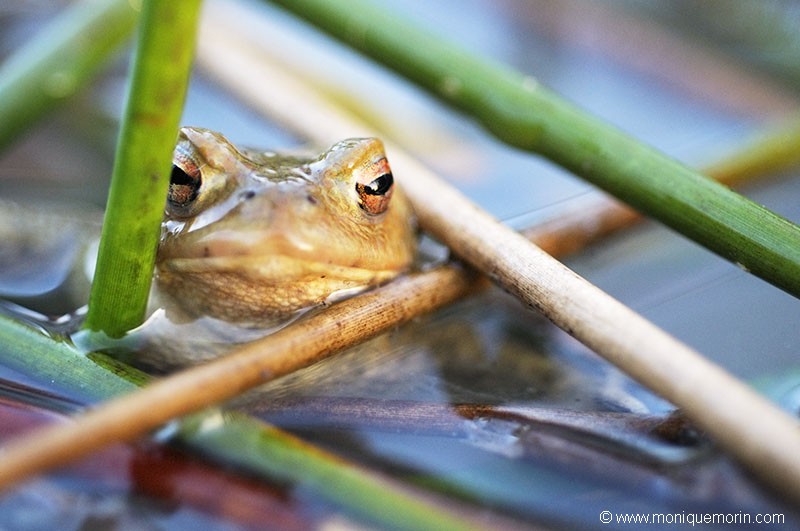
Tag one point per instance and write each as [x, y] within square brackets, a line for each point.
[273, 269]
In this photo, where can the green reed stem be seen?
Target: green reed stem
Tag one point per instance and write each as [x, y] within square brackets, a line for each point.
[522, 113]
[131, 228]
[58, 61]
[291, 459]
[60, 367]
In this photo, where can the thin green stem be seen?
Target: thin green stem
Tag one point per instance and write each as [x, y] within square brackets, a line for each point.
[347, 485]
[522, 113]
[58, 61]
[62, 368]
[160, 77]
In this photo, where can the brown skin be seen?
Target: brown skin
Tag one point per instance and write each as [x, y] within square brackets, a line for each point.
[249, 237]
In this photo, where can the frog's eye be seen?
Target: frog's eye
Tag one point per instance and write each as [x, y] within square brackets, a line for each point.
[184, 184]
[374, 196]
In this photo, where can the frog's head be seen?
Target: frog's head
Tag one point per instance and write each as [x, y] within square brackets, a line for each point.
[249, 236]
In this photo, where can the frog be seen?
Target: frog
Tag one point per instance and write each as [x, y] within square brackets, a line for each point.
[252, 236]
[250, 240]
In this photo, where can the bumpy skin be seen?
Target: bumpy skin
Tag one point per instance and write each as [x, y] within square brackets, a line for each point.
[257, 236]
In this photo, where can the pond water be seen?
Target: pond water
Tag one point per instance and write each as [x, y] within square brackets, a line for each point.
[485, 401]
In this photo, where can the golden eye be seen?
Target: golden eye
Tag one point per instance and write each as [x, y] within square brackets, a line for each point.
[184, 185]
[374, 192]
[374, 197]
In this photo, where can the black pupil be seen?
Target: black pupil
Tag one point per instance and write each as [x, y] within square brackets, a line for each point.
[380, 185]
[179, 177]
[182, 187]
